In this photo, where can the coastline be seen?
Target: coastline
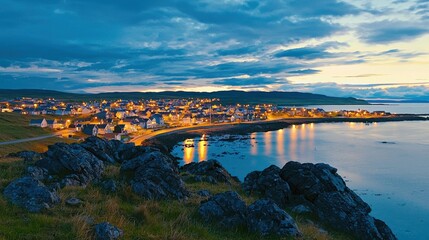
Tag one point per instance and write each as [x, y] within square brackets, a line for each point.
[166, 141]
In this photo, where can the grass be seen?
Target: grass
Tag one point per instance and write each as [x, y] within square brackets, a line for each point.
[15, 126]
[37, 146]
[139, 218]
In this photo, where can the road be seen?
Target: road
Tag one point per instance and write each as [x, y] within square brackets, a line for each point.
[56, 134]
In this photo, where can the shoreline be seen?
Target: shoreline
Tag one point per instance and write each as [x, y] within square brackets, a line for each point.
[166, 141]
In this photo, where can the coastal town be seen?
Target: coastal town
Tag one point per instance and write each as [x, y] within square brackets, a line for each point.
[121, 119]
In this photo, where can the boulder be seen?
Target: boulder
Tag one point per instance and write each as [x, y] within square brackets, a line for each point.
[101, 148]
[28, 156]
[37, 173]
[267, 218]
[109, 185]
[204, 193]
[226, 209]
[72, 163]
[268, 184]
[107, 231]
[311, 179]
[209, 171]
[30, 194]
[74, 201]
[333, 202]
[300, 209]
[113, 151]
[154, 176]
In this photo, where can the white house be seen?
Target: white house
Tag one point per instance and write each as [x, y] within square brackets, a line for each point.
[39, 123]
[90, 129]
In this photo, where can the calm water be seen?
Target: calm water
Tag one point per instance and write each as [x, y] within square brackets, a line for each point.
[391, 176]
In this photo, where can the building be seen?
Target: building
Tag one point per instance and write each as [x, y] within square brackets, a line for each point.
[39, 123]
[90, 129]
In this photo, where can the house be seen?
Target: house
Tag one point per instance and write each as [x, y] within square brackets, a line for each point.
[158, 119]
[187, 119]
[120, 128]
[51, 123]
[90, 129]
[9, 110]
[86, 111]
[104, 128]
[39, 123]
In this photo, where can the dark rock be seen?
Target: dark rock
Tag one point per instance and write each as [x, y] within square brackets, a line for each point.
[268, 184]
[54, 186]
[266, 218]
[384, 230]
[154, 176]
[71, 180]
[209, 171]
[204, 193]
[227, 209]
[31, 194]
[106, 231]
[37, 173]
[88, 220]
[109, 185]
[113, 151]
[333, 202]
[310, 180]
[301, 209]
[74, 201]
[28, 156]
[101, 148]
[72, 163]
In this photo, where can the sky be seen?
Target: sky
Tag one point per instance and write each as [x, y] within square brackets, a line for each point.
[358, 48]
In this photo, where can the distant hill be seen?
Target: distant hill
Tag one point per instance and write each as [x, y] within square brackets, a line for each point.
[227, 97]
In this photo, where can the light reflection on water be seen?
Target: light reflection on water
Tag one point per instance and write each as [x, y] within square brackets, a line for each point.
[392, 176]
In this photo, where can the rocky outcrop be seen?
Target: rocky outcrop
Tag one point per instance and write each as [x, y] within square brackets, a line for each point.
[28, 156]
[266, 218]
[154, 176]
[37, 173]
[113, 151]
[71, 163]
[103, 149]
[268, 184]
[30, 194]
[208, 171]
[333, 202]
[226, 209]
[109, 185]
[107, 231]
[204, 193]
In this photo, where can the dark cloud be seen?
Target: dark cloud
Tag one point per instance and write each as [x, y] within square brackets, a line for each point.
[253, 81]
[391, 31]
[310, 52]
[304, 71]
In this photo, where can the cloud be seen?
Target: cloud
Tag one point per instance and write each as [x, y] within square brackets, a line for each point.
[311, 52]
[391, 31]
[407, 91]
[172, 43]
[304, 71]
[252, 81]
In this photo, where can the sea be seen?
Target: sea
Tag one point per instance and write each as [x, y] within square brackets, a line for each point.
[386, 164]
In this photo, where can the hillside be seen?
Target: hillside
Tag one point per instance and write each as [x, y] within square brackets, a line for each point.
[227, 97]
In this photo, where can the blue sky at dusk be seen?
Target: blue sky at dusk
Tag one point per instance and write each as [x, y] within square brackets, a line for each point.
[359, 48]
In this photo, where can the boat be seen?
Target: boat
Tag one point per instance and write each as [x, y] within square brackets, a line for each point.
[204, 138]
[189, 143]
